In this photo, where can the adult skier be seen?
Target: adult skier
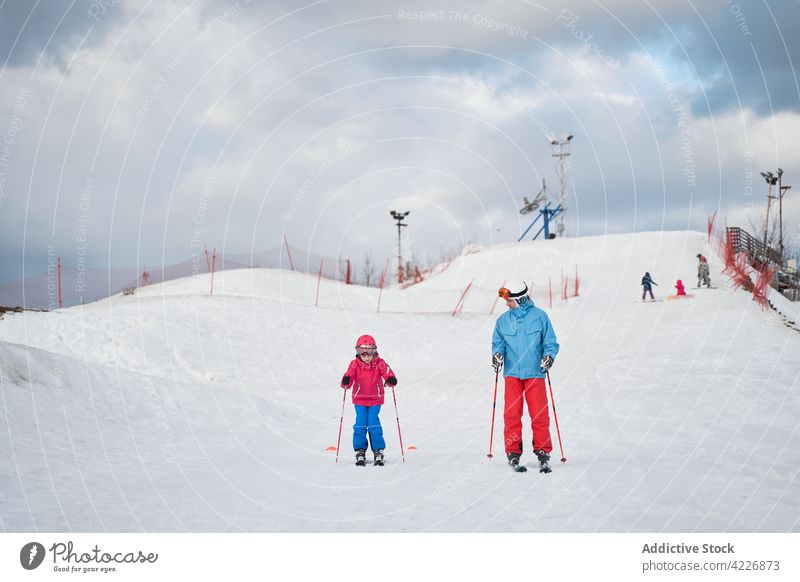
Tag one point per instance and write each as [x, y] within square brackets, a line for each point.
[524, 346]
[647, 285]
[703, 272]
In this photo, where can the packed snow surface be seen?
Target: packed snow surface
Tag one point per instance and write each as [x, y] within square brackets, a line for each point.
[176, 410]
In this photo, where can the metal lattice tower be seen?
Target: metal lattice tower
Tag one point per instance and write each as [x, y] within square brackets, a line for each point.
[399, 216]
[772, 180]
[561, 151]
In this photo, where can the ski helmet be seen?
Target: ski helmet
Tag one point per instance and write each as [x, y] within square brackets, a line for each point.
[365, 345]
[516, 290]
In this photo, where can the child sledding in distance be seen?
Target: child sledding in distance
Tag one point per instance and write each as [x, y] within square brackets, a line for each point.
[681, 294]
[367, 374]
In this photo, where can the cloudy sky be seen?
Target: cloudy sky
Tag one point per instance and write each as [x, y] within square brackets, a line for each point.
[131, 129]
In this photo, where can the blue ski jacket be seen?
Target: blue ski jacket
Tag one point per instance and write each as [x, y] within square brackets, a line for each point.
[523, 336]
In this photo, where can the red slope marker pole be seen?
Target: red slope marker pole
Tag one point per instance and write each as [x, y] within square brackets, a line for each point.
[60, 304]
[213, 267]
[383, 280]
[319, 277]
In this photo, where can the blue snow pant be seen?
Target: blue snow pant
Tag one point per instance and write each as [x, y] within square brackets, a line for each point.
[367, 420]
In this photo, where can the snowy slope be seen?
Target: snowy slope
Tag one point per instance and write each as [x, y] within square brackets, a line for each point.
[173, 410]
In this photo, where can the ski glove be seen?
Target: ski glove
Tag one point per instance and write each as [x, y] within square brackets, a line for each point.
[546, 363]
[391, 381]
[497, 362]
[345, 380]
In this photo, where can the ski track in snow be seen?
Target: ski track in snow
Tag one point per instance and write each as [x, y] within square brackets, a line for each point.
[172, 410]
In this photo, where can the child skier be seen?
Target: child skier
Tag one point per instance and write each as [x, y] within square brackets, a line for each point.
[368, 373]
[681, 289]
[647, 285]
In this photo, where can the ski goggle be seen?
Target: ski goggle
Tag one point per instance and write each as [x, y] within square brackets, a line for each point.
[366, 350]
[506, 294]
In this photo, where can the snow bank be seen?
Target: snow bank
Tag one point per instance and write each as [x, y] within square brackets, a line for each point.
[173, 410]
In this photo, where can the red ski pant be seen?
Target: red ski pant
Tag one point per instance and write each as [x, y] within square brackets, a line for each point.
[533, 392]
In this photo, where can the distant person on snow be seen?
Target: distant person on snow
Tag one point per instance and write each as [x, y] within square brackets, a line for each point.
[524, 345]
[368, 373]
[647, 285]
[679, 286]
[703, 272]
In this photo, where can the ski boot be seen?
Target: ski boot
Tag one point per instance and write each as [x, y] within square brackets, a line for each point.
[361, 457]
[544, 461]
[513, 460]
[379, 458]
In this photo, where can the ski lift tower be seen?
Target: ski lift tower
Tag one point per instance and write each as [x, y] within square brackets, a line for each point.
[546, 213]
[561, 150]
[772, 180]
[399, 216]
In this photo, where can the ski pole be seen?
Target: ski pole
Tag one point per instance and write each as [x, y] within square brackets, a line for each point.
[400, 434]
[553, 402]
[341, 420]
[494, 407]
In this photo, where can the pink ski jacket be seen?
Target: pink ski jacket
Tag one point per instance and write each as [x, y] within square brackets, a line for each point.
[367, 380]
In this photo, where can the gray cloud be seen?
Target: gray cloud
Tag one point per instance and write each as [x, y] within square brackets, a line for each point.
[739, 53]
[317, 123]
[749, 57]
[29, 29]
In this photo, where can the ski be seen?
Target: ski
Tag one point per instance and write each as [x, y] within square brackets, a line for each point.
[544, 468]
